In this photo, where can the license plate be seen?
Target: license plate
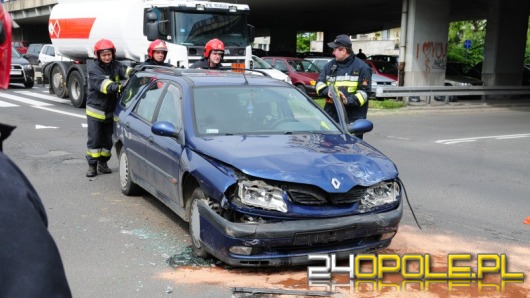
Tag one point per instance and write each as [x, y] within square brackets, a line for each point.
[324, 237]
[238, 65]
[15, 72]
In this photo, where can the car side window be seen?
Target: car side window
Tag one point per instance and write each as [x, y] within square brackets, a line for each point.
[280, 65]
[133, 87]
[170, 110]
[148, 102]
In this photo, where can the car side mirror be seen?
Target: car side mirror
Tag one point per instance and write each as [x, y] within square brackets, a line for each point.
[360, 127]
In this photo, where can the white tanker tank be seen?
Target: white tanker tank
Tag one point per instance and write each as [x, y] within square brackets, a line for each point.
[76, 25]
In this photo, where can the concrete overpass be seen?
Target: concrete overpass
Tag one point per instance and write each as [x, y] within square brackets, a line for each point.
[424, 29]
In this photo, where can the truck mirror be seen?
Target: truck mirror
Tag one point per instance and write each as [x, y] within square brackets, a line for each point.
[151, 17]
[152, 31]
[251, 33]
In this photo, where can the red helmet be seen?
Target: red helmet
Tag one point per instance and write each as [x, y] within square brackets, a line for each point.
[104, 44]
[157, 45]
[213, 45]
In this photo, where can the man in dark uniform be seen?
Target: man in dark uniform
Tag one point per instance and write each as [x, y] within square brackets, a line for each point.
[104, 86]
[157, 53]
[351, 77]
[30, 263]
[214, 51]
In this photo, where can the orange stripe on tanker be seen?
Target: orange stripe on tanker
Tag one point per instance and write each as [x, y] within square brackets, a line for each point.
[70, 28]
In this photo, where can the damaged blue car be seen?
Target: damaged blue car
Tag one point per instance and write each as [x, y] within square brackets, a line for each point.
[261, 173]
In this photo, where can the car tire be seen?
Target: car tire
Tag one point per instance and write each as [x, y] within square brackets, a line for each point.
[195, 224]
[128, 187]
[29, 84]
[77, 90]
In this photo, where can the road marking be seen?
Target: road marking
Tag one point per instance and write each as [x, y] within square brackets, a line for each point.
[44, 96]
[25, 100]
[61, 112]
[37, 126]
[5, 104]
[501, 137]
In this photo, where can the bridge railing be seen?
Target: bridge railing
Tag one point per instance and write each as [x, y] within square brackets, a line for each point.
[410, 91]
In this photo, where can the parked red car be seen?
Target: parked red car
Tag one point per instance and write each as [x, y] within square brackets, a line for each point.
[303, 73]
[21, 46]
[383, 68]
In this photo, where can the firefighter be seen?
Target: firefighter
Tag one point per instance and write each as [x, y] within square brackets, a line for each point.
[157, 53]
[214, 52]
[351, 77]
[104, 87]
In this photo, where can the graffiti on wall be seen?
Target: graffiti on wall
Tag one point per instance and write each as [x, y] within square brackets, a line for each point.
[434, 55]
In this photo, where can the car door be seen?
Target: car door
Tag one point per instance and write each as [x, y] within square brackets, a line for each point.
[137, 132]
[164, 152]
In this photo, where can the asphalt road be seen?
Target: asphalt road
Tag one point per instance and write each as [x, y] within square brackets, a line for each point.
[465, 171]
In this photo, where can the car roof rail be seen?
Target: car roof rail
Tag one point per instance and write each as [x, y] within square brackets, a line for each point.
[243, 70]
[175, 70]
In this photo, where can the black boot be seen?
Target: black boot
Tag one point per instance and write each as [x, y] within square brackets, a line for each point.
[91, 171]
[103, 168]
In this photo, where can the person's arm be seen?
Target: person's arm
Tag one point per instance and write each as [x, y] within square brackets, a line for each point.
[321, 86]
[100, 81]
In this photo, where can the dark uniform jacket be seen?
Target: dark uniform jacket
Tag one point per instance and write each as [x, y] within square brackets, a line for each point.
[205, 64]
[104, 85]
[30, 263]
[349, 76]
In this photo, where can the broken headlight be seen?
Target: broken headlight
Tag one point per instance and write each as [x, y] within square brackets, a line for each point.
[260, 194]
[380, 194]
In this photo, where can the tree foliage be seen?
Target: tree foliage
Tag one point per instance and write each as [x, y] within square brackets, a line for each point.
[475, 31]
[303, 41]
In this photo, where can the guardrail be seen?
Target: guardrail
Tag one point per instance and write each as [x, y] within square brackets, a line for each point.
[430, 91]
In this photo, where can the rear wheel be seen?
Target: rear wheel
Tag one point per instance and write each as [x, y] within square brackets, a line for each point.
[195, 223]
[76, 89]
[58, 82]
[29, 84]
[128, 187]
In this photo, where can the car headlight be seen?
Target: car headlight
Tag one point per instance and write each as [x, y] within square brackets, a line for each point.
[394, 83]
[288, 80]
[380, 194]
[260, 194]
[27, 66]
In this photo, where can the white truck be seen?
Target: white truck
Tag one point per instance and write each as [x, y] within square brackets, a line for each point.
[186, 25]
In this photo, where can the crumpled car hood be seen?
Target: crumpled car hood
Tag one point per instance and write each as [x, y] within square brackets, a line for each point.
[308, 159]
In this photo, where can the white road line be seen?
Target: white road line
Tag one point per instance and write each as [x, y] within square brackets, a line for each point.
[24, 100]
[45, 96]
[61, 112]
[501, 137]
[5, 104]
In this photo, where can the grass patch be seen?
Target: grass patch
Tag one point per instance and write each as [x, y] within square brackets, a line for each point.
[386, 104]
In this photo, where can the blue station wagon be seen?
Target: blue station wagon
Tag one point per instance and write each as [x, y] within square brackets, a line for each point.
[261, 173]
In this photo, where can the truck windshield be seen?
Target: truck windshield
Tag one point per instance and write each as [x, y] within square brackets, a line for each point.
[195, 29]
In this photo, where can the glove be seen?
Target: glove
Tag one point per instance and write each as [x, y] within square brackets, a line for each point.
[115, 88]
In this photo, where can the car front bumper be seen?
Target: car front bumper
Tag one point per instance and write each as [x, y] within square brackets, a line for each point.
[289, 242]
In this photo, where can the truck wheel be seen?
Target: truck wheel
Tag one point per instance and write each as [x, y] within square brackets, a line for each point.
[128, 187]
[77, 90]
[58, 82]
[195, 224]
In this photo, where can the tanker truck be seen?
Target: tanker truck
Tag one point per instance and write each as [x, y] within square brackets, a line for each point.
[186, 25]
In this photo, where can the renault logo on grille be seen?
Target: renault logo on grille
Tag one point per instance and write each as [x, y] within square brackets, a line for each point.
[335, 182]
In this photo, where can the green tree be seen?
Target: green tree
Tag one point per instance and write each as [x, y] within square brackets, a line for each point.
[303, 41]
[475, 31]
[527, 51]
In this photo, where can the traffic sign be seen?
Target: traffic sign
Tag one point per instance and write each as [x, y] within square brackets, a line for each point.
[467, 44]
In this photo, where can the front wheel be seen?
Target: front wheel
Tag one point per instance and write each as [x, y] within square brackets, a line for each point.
[29, 84]
[128, 187]
[58, 82]
[301, 88]
[195, 223]
[76, 89]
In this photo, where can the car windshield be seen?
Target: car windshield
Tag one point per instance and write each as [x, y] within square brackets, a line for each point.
[198, 28]
[303, 66]
[257, 110]
[385, 67]
[260, 63]
[15, 53]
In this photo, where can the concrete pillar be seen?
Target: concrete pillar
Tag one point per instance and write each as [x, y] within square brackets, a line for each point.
[426, 42]
[505, 43]
[283, 41]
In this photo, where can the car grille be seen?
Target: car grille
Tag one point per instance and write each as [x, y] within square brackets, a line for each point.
[317, 197]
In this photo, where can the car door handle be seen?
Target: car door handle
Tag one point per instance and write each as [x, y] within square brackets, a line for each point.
[150, 140]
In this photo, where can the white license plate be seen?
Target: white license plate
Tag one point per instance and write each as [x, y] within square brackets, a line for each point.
[16, 72]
